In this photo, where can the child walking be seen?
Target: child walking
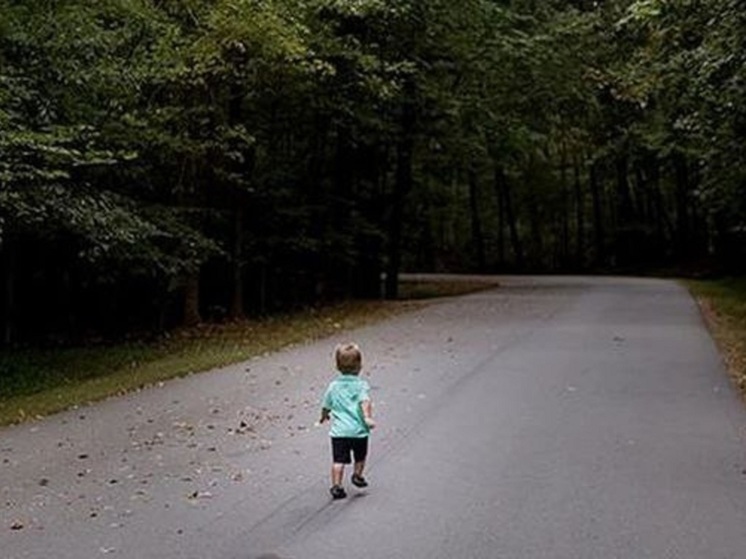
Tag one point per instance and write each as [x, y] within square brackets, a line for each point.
[347, 403]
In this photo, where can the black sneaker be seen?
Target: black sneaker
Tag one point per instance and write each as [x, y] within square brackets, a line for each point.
[359, 481]
[338, 492]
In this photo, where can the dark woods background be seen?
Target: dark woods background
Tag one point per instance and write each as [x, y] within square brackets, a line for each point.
[164, 162]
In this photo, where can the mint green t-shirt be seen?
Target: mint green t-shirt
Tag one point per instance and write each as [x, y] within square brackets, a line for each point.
[343, 398]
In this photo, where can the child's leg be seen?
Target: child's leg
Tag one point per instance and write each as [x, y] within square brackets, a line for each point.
[338, 471]
[360, 451]
[340, 456]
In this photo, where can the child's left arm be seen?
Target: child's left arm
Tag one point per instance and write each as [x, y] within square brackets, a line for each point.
[367, 408]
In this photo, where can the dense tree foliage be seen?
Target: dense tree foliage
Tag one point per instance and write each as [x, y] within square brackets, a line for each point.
[170, 161]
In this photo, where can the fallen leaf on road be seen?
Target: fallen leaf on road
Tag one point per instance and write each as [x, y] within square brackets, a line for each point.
[200, 495]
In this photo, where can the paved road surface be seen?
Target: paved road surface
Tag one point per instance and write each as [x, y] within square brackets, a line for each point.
[557, 418]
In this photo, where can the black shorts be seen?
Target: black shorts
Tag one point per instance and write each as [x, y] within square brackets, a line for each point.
[342, 447]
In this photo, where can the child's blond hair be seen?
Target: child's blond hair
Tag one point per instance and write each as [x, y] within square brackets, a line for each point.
[349, 359]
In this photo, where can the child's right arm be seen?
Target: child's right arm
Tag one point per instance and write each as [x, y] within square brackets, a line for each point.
[324, 415]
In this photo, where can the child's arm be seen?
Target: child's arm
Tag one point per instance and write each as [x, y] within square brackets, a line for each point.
[367, 408]
[324, 415]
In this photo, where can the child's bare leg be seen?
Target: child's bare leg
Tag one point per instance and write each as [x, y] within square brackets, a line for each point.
[359, 468]
[338, 471]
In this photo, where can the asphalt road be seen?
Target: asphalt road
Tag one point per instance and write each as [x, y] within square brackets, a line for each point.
[557, 418]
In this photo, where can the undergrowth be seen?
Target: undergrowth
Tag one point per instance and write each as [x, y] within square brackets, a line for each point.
[36, 382]
[723, 304]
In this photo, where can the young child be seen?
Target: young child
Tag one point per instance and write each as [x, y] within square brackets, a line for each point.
[347, 403]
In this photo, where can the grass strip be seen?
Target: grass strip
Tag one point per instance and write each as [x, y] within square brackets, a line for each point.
[723, 304]
[35, 383]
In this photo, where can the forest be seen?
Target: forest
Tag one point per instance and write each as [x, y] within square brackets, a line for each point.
[168, 162]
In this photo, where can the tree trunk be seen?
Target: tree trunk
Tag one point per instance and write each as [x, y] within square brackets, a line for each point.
[579, 218]
[503, 188]
[642, 194]
[337, 270]
[9, 294]
[476, 222]
[263, 303]
[402, 186]
[68, 303]
[700, 220]
[536, 243]
[244, 168]
[682, 205]
[598, 217]
[427, 253]
[237, 296]
[564, 252]
[369, 264]
[500, 224]
[663, 226]
[191, 300]
[625, 208]
[625, 250]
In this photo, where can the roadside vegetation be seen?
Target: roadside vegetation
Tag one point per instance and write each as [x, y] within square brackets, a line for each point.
[723, 305]
[40, 382]
[173, 162]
